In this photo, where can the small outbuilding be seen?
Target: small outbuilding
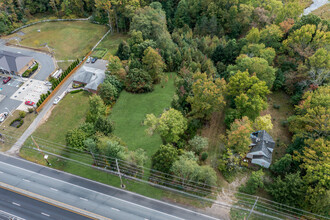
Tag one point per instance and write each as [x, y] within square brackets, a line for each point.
[262, 147]
[14, 63]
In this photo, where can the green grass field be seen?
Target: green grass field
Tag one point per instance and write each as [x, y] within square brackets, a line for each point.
[130, 111]
[67, 114]
[70, 39]
[111, 42]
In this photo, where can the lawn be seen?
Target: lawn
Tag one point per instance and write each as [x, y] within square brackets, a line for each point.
[111, 42]
[323, 12]
[130, 111]
[12, 132]
[67, 114]
[70, 39]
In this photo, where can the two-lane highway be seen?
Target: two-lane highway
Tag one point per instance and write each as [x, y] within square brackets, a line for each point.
[27, 208]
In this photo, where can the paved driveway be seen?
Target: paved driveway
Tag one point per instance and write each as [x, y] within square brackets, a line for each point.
[46, 61]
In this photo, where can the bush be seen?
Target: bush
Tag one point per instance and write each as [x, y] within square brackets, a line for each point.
[198, 144]
[22, 114]
[17, 119]
[255, 181]
[204, 156]
[138, 81]
[276, 106]
[76, 91]
[284, 123]
[30, 110]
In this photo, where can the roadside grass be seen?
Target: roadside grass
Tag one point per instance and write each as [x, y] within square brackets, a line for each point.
[111, 42]
[11, 133]
[66, 115]
[323, 12]
[130, 111]
[280, 131]
[70, 39]
[64, 65]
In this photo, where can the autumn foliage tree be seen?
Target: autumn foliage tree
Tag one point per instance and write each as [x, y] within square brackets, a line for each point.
[153, 63]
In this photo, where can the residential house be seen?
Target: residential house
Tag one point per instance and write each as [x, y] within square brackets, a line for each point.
[262, 147]
[90, 77]
[14, 63]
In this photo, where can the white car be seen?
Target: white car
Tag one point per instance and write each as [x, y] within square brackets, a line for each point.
[48, 83]
[88, 60]
[3, 116]
[57, 100]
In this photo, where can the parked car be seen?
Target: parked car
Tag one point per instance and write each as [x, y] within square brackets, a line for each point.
[48, 83]
[6, 80]
[88, 60]
[57, 100]
[29, 103]
[93, 60]
[3, 116]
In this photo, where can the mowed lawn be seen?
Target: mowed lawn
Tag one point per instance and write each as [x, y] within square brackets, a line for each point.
[111, 42]
[69, 113]
[130, 111]
[70, 39]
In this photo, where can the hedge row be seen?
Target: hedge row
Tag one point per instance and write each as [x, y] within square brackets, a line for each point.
[64, 74]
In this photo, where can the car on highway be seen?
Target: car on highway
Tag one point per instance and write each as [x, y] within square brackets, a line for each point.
[3, 116]
[6, 80]
[88, 60]
[29, 103]
[93, 60]
[57, 100]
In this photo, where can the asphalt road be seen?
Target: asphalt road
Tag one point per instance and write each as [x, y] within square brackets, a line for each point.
[28, 208]
[94, 197]
[46, 61]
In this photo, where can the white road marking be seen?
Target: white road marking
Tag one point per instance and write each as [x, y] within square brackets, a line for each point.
[83, 199]
[1, 172]
[53, 189]
[151, 199]
[14, 203]
[45, 214]
[115, 209]
[26, 180]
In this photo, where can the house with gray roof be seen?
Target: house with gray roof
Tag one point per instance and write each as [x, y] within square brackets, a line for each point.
[14, 63]
[262, 147]
[90, 77]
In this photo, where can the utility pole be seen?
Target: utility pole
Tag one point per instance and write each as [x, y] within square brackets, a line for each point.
[118, 170]
[252, 208]
[45, 156]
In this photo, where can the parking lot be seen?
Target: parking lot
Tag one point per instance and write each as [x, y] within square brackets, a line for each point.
[6, 91]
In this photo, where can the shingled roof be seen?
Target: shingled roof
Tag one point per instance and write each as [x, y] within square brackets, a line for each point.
[262, 142]
[13, 62]
[89, 76]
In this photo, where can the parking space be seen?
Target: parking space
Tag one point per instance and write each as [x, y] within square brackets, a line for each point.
[99, 64]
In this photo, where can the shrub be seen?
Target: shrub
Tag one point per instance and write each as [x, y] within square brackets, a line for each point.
[204, 156]
[138, 81]
[198, 144]
[76, 91]
[255, 181]
[17, 119]
[276, 106]
[30, 110]
[22, 114]
[284, 123]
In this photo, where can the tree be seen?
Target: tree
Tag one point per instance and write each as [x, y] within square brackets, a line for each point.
[271, 36]
[255, 181]
[103, 124]
[311, 119]
[198, 144]
[226, 54]
[137, 157]
[283, 165]
[153, 63]
[319, 72]
[164, 157]
[239, 136]
[75, 138]
[249, 94]
[254, 65]
[208, 95]
[124, 51]
[112, 149]
[115, 67]
[96, 108]
[289, 190]
[259, 50]
[138, 81]
[316, 163]
[263, 123]
[107, 92]
[107, 6]
[170, 125]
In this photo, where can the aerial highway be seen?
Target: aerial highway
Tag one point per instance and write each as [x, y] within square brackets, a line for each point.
[67, 190]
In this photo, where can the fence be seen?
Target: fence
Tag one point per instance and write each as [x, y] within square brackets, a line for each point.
[62, 82]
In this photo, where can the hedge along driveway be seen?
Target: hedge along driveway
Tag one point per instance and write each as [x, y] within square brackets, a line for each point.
[130, 111]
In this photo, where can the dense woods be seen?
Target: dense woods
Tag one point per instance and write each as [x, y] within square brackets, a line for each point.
[229, 56]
